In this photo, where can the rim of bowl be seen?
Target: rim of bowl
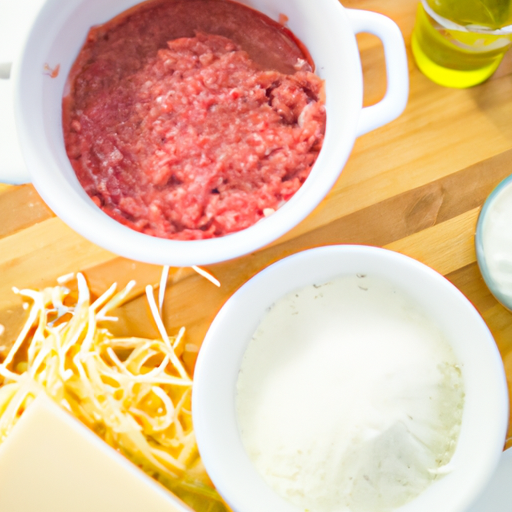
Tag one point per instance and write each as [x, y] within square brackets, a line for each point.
[218, 439]
[479, 246]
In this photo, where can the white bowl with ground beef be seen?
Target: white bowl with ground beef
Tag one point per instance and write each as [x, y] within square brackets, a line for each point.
[176, 215]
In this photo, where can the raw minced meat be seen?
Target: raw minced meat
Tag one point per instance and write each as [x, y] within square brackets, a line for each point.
[196, 140]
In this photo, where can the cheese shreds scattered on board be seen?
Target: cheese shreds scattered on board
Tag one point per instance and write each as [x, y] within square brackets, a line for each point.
[135, 393]
[161, 290]
[206, 275]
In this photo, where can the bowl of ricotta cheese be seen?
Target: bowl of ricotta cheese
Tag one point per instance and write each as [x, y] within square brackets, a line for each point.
[347, 379]
[105, 88]
[493, 241]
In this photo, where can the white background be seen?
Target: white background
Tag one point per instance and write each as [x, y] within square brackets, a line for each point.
[15, 18]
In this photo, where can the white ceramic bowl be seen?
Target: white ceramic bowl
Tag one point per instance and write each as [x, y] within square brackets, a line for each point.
[324, 26]
[485, 413]
[493, 242]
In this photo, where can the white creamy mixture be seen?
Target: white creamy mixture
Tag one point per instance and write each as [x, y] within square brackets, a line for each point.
[349, 398]
[497, 241]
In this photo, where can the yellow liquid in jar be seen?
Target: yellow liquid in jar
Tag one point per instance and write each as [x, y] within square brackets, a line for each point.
[459, 58]
[492, 14]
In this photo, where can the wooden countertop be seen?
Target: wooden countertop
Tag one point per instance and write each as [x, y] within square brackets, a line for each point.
[414, 186]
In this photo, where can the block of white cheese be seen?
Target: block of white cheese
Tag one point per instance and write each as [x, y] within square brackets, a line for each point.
[52, 463]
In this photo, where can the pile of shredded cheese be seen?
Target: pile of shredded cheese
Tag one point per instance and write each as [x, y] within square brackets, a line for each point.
[135, 393]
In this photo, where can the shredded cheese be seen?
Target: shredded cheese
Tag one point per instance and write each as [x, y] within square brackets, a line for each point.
[163, 283]
[133, 392]
[207, 275]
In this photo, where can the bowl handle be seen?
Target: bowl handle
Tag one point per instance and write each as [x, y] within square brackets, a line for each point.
[12, 166]
[395, 99]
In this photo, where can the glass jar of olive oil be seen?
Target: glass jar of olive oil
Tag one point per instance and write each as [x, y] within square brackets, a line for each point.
[460, 43]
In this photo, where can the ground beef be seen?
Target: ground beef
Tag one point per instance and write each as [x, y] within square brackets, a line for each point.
[191, 140]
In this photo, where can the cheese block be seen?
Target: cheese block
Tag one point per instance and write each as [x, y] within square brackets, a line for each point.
[52, 463]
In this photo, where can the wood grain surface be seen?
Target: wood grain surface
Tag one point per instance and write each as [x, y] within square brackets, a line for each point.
[415, 186]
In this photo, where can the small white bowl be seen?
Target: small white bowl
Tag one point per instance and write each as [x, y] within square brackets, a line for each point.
[493, 241]
[325, 27]
[485, 415]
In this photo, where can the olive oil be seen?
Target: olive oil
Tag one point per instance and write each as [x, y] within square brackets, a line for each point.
[460, 43]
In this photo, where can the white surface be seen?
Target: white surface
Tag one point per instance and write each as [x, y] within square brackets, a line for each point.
[497, 497]
[16, 17]
[12, 166]
[323, 26]
[485, 415]
[52, 463]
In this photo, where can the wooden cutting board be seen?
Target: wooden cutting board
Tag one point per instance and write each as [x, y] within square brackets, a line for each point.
[414, 186]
